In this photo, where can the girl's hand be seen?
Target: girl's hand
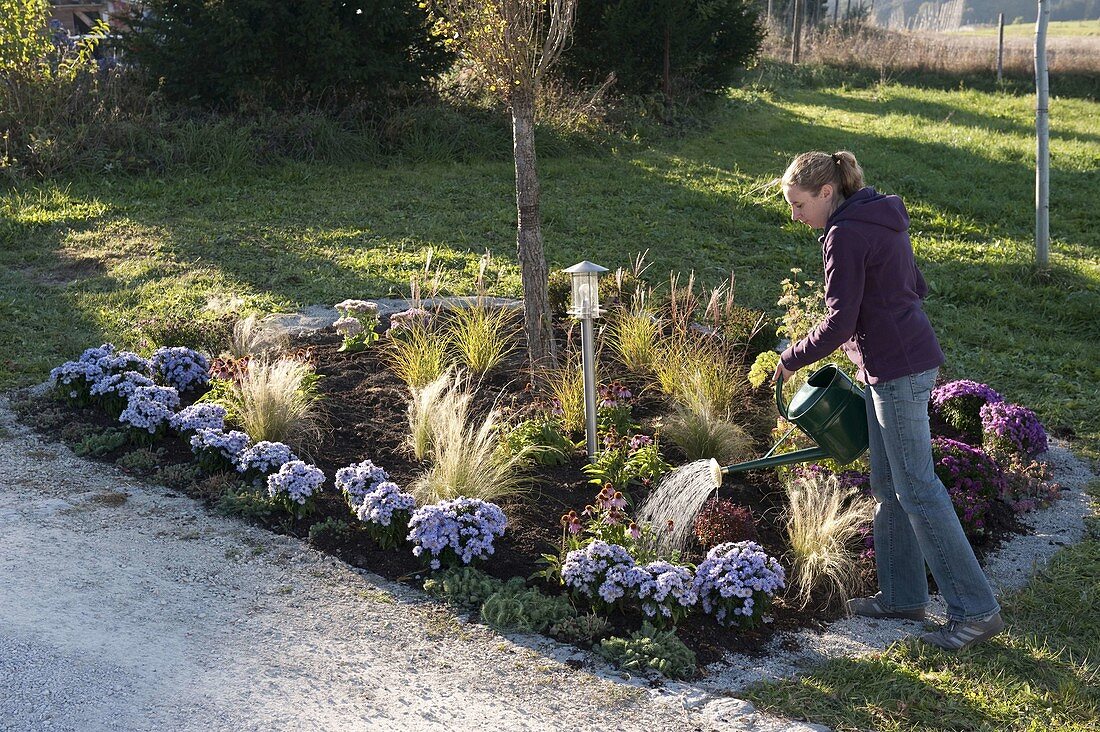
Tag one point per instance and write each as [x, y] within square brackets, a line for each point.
[781, 370]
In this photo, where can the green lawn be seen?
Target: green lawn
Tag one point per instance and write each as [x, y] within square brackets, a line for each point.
[89, 260]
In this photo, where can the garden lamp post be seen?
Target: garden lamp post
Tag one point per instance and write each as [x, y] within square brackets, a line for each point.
[586, 307]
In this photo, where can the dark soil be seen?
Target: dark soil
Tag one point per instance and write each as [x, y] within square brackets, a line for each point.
[365, 407]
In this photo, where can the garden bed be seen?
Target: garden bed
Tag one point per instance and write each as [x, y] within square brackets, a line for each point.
[365, 409]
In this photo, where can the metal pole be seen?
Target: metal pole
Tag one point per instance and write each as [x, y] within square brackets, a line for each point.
[588, 358]
[1000, 46]
[1042, 135]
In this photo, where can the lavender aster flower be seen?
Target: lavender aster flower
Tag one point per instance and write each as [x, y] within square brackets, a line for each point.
[264, 457]
[150, 408]
[296, 482]
[666, 592]
[196, 416]
[216, 449]
[736, 581]
[181, 367]
[602, 572]
[456, 531]
[357, 480]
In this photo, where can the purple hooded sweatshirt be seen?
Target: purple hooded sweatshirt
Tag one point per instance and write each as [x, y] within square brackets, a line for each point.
[873, 292]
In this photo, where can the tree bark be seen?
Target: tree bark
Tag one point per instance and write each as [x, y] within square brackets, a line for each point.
[529, 249]
[796, 33]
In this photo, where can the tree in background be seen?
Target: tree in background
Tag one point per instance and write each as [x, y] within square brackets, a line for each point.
[515, 43]
[24, 38]
[657, 45]
[274, 53]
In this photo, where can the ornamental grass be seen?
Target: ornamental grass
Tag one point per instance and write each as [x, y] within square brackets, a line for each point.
[701, 430]
[823, 522]
[439, 400]
[690, 367]
[481, 337]
[417, 355]
[466, 456]
[276, 401]
[253, 337]
[565, 387]
[633, 336]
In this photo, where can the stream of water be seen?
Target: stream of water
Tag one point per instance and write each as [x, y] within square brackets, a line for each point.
[678, 498]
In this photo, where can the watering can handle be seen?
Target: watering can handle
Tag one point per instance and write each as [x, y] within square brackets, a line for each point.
[779, 404]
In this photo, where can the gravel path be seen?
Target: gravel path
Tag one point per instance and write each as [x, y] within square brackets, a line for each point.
[124, 606]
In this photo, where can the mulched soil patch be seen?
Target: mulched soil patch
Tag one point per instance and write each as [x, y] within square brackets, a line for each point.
[365, 408]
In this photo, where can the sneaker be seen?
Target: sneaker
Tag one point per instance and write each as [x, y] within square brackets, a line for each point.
[874, 607]
[956, 635]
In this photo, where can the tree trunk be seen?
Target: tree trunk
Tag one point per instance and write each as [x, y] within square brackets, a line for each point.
[529, 250]
[796, 32]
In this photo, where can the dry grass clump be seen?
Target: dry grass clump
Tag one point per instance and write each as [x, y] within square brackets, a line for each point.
[691, 366]
[565, 386]
[254, 337]
[634, 335]
[465, 452]
[417, 355]
[277, 401]
[440, 397]
[702, 430]
[823, 524]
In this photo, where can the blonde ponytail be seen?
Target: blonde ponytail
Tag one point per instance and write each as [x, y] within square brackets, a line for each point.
[812, 170]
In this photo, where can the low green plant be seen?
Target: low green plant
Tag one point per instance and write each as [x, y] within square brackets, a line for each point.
[276, 401]
[251, 505]
[142, 461]
[583, 630]
[417, 355]
[481, 337]
[627, 461]
[518, 607]
[650, 649]
[98, 444]
[763, 368]
[541, 438]
[331, 532]
[824, 521]
[178, 477]
[464, 587]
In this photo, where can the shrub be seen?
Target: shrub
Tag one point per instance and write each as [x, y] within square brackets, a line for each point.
[181, 368]
[385, 511]
[736, 582]
[959, 404]
[540, 438]
[581, 629]
[650, 648]
[242, 52]
[416, 354]
[294, 486]
[276, 401]
[1012, 430]
[456, 532]
[702, 43]
[465, 587]
[763, 368]
[722, 521]
[481, 337]
[357, 324]
[973, 480]
[518, 607]
[824, 521]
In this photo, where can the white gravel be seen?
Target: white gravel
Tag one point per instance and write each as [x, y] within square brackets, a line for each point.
[124, 606]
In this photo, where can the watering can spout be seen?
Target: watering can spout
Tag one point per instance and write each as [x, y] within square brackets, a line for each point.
[830, 409]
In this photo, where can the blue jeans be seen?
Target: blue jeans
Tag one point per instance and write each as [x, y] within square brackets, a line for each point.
[914, 519]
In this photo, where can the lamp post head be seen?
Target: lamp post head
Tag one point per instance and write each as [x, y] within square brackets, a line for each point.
[586, 289]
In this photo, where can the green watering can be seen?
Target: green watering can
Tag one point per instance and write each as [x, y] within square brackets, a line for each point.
[830, 409]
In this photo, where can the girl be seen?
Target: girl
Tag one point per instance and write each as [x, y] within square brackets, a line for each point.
[873, 292]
